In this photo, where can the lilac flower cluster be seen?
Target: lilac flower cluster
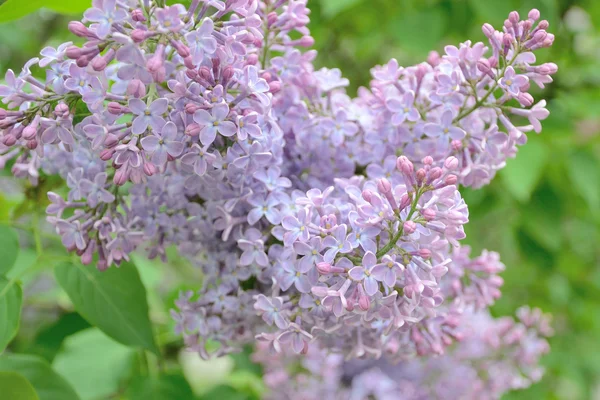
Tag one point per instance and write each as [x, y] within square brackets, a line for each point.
[317, 219]
[496, 356]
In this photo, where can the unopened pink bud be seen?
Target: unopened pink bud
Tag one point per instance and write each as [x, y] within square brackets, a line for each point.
[384, 186]
[534, 14]
[456, 145]
[78, 29]
[367, 195]
[404, 165]
[428, 214]
[324, 268]
[424, 253]
[525, 99]
[451, 163]
[409, 227]
[114, 108]
[274, 86]
[272, 17]
[136, 88]
[189, 63]
[138, 15]
[111, 140]
[488, 30]
[434, 173]
[364, 302]
[252, 59]
[139, 35]
[193, 129]
[29, 132]
[191, 108]
[205, 74]
[149, 169]
[433, 58]
[451, 180]
[32, 144]
[9, 140]
[428, 160]
[121, 177]
[513, 17]
[404, 201]
[227, 74]
[306, 41]
[61, 110]
[106, 154]
[543, 24]
[421, 174]
[73, 52]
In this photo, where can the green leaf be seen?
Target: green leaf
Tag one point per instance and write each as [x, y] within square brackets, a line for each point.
[224, 392]
[168, 387]
[522, 174]
[94, 364]
[49, 340]
[14, 386]
[9, 248]
[333, 7]
[11, 298]
[584, 170]
[15, 9]
[48, 384]
[113, 300]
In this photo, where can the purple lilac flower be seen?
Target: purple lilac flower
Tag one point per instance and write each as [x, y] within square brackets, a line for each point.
[163, 144]
[147, 115]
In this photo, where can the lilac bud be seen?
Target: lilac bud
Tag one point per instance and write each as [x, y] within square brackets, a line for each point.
[149, 169]
[73, 52]
[324, 268]
[364, 302]
[138, 15]
[404, 201]
[488, 30]
[543, 25]
[534, 14]
[409, 227]
[111, 141]
[29, 132]
[272, 18]
[181, 48]
[421, 173]
[61, 110]
[9, 140]
[428, 160]
[3, 114]
[513, 17]
[274, 86]
[451, 163]
[106, 154]
[191, 108]
[525, 99]
[189, 63]
[456, 145]
[546, 69]
[114, 108]
[121, 177]
[83, 61]
[78, 29]
[428, 214]
[32, 144]
[384, 186]
[306, 41]
[204, 73]
[433, 58]
[193, 129]
[136, 88]
[139, 35]
[367, 195]
[191, 72]
[88, 254]
[450, 180]
[424, 253]
[404, 165]
[435, 173]
[227, 74]
[252, 59]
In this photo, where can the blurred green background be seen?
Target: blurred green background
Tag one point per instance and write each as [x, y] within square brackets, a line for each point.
[542, 213]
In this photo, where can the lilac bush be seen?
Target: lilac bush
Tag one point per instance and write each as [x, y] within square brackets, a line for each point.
[323, 223]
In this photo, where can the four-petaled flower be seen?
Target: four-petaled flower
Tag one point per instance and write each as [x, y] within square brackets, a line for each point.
[512, 83]
[163, 145]
[364, 273]
[213, 123]
[151, 115]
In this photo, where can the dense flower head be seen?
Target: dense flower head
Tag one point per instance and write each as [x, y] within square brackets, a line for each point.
[319, 221]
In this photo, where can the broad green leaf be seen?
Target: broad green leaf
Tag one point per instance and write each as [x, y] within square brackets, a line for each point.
[333, 7]
[9, 248]
[48, 384]
[11, 297]
[94, 364]
[584, 170]
[114, 300]
[14, 386]
[15, 9]
[48, 341]
[168, 387]
[522, 174]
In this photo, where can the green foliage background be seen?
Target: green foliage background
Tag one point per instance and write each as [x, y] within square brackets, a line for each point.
[542, 213]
